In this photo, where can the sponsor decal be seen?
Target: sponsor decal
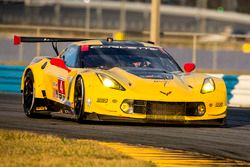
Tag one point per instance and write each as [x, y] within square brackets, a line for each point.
[124, 47]
[61, 89]
[41, 108]
[219, 104]
[54, 90]
[101, 100]
[55, 93]
[114, 101]
[61, 86]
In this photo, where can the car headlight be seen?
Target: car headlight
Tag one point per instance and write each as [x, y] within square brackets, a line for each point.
[208, 86]
[110, 82]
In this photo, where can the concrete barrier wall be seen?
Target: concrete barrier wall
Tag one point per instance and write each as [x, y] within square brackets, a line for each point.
[241, 92]
[238, 87]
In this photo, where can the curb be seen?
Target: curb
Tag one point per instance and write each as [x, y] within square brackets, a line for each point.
[169, 157]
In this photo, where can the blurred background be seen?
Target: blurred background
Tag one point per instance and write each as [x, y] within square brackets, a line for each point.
[214, 34]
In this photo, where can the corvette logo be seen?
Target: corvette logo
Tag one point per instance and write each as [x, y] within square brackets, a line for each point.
[166, 93]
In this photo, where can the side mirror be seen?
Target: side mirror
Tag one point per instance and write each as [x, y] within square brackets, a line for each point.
[189, 67]
[59, 63]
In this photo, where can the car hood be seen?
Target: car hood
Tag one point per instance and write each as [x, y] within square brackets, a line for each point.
[152, 82]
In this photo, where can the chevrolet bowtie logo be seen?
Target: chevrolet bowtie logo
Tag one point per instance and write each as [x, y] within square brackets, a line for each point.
[168, 93]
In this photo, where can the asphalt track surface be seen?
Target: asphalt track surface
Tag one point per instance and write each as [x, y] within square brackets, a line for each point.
[230, 141]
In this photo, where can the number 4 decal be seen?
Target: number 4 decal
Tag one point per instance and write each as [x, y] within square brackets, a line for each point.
[61, 87]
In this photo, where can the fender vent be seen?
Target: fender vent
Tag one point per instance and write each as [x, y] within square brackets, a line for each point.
[44, 93]
[44, 65]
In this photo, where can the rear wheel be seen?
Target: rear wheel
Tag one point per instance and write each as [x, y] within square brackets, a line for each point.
[79, 100]
[29, 95]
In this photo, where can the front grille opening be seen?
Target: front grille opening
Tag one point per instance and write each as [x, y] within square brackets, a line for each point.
[141, 107]
[191, 109]
[163, 108]
[166, 108]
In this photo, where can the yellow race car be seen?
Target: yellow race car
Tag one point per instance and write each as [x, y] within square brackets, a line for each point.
[120, 80]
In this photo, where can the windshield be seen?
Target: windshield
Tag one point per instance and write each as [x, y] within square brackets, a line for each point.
[127, 57]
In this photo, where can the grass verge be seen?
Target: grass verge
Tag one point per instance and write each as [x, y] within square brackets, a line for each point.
[29, 149]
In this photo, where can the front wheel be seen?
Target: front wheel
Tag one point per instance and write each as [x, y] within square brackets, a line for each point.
[79, 100]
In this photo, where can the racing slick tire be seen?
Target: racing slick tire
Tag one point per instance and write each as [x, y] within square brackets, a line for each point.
[79, 100]
[28, 97]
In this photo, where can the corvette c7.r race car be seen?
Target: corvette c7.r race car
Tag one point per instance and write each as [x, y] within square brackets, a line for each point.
[120, 80]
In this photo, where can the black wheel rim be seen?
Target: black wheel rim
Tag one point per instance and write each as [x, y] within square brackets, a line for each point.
[28, 94]
[78, 97]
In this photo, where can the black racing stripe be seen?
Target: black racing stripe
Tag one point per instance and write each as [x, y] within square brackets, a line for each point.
[122, 43]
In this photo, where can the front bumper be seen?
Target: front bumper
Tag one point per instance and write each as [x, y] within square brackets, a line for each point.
[157, 111]
[210, 122]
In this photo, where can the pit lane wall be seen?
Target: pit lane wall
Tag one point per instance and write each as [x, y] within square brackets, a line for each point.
[238, 87]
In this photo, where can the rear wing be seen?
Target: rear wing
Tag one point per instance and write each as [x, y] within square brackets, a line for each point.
[19, 39]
